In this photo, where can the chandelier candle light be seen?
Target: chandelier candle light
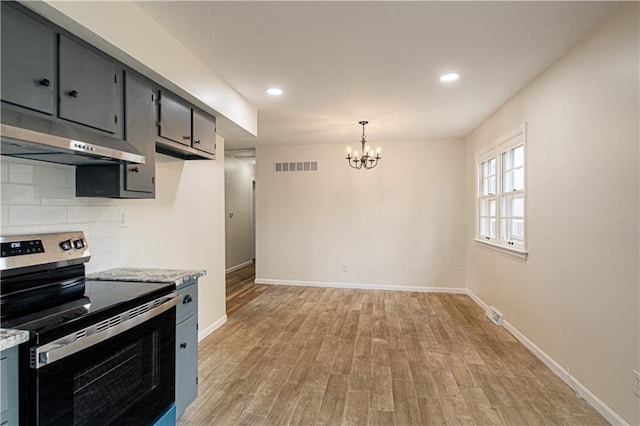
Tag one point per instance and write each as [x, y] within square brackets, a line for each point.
[367, 160]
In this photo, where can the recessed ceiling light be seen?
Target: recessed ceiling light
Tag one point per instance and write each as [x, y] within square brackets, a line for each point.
[274, 91]
[447, 78]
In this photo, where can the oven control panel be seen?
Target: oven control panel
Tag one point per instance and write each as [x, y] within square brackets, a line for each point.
[31, 250]
[18, 248]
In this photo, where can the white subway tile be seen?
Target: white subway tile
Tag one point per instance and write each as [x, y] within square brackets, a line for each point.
[4, 171]
[66, 227]
[101, 201]
[71, 177]
[21, 173]
[60, 196]
[115, 245]
[20, 230]
[98, 246]
[51, 176]
[19, 194]
[104, 230]
[89, 214]
[37, 215]
[101, 262]
[4, 215]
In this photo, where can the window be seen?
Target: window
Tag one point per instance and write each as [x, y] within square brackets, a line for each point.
[501, 192]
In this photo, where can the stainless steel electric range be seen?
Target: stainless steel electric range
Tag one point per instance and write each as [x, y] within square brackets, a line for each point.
[100, 352]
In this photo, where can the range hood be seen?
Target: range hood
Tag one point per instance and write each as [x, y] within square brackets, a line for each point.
[35, 138]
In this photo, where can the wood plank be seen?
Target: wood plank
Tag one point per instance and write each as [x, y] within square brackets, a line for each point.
[333, 401]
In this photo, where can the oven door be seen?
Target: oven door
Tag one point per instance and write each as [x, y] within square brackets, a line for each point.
[127, 379]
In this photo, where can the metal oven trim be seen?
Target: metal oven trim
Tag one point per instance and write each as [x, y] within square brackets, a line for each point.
[96, 333]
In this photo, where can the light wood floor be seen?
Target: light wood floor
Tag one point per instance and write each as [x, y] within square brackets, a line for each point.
[241, 288]
[314, 356]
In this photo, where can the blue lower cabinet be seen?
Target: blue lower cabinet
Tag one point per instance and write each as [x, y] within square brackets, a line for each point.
[168, 418]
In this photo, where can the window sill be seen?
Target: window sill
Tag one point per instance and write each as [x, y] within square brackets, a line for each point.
[508, 250]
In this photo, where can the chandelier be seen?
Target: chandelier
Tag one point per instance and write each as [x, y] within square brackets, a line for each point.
[367, 160]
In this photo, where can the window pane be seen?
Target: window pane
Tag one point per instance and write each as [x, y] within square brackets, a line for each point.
[518, 179]
[517, 229]
[517, 206]
[492, 208]
[484, 226]
[507, 182]
[518, 156]
[507, 160]
[492, 227]
[492, 166]
[491, 185]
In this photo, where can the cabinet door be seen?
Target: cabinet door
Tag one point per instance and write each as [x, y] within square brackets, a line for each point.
[204, 132]
[28, 61]
[139, 130]
[175, 119]
[88, 87]
[186, 364]
[9, 387]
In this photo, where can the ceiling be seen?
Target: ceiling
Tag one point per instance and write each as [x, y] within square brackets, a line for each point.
[342, 62]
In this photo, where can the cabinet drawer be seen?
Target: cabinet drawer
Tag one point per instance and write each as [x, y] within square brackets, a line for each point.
[187, 301]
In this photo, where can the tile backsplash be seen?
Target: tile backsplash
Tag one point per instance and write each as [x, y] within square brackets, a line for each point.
[40, 197]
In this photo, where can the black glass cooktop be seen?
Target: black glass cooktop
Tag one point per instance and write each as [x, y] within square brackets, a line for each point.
[100, 300]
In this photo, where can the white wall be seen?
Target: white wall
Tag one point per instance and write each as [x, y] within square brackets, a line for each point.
[182, 228]
[576, 297]
[400, 224]
[238, 192]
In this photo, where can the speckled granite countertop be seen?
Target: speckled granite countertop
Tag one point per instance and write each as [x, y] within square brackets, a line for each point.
[149, 275]
[10, 338]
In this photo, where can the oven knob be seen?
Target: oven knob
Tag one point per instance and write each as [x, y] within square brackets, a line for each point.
[78, 243]
[65, 245]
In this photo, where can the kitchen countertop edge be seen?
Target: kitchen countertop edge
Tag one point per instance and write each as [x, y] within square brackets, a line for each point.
[150, 275]
[11, 337]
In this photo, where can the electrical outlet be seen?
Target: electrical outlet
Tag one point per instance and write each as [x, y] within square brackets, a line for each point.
[123, 218]
[636, 383]
[345, 268]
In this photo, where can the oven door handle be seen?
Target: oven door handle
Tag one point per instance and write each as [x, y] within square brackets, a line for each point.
[94, 334]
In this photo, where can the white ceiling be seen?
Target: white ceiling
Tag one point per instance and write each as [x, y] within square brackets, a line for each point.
[342, 62]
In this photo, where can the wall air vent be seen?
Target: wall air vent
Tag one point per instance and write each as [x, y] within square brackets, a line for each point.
[296, 166]
[495, 316]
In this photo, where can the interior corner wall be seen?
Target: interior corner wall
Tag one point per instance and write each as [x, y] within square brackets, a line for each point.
[239, 176]
[182, 228]
[576, 297]
[400, 224]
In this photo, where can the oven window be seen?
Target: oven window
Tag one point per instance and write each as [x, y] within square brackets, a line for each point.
[126, 371]
[125, 380]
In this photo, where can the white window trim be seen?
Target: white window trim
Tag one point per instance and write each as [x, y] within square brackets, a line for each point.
[509, 140]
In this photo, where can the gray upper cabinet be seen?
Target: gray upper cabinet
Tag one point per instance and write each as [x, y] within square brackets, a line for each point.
[28, 62]
[204, 132]
[140, 116]
[175, 119]
[127, 180]
[88, 87]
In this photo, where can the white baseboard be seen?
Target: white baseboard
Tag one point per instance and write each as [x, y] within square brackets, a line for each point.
[240, 266]
[565, 375]
[213, 327]
[458, 290]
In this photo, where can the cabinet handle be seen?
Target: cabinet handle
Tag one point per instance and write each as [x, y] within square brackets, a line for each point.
[186, 138]
[183, 345]
[198, 141]
[45, 82]
[134, 170]
[187, 299]
[73, 93]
